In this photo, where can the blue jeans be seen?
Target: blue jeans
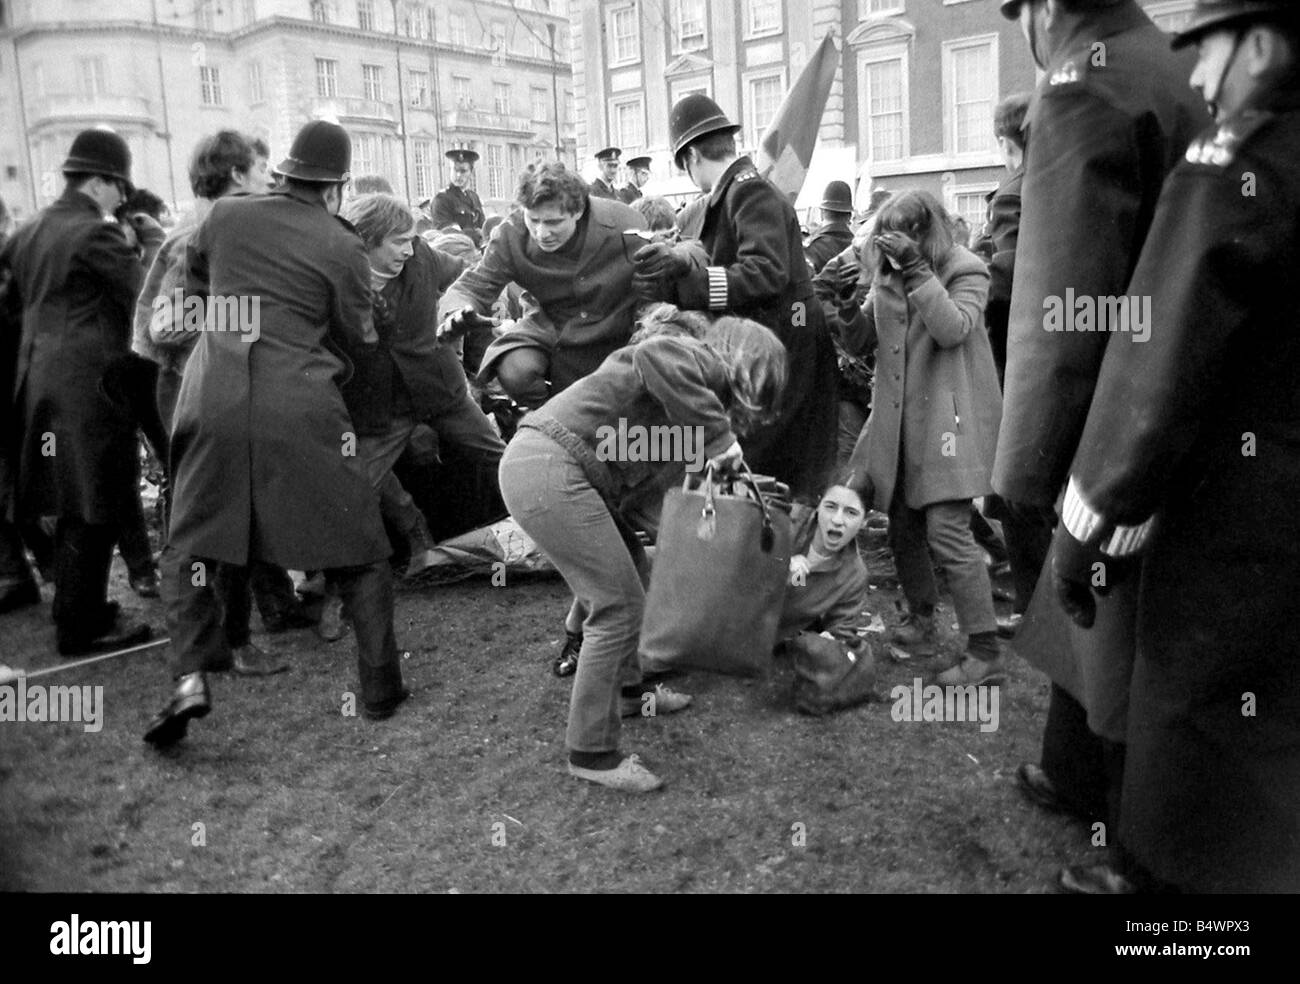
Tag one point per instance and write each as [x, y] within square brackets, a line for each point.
[548, 495]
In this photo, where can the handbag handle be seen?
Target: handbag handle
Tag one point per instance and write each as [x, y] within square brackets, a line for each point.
[708, 513]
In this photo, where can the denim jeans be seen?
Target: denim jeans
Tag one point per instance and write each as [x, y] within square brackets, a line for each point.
[548, 495]
[941, 529]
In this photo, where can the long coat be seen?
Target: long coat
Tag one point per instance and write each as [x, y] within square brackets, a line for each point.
[456, 206]
[74, 278]
[832, 238]
[263, 449]
[588, 299]
[935, 406]
[752, 265]
[1003, 234]
[1199, 426]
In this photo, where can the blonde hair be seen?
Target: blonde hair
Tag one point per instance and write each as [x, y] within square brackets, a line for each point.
[377, 216]
[756, 369]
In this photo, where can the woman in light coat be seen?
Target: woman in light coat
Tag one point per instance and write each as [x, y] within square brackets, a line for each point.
[928, 445]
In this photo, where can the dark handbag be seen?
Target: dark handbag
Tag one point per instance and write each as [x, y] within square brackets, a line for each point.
[721, 563]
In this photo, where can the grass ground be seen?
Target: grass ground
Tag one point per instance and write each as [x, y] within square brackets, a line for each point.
[465, 789]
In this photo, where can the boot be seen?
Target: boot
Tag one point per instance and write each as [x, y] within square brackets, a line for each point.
[421, 545]
[916, 635]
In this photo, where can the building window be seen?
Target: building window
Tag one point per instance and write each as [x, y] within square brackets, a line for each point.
[496, 171]
[690, 25]
[570, 113]
[372, 82]
[539, 104]
[206, 15]
[417, 84]
[884, 100]
[38, 79]
[497, 39]
[255, 94]
[538, 45]
[250, 11]
[90, 77]
[320, 12]
[327, 78]
[624, 35]
[876, 8]
[370, 155]
[456, 30]
[681, 88]
[210, 85]
[422, 168]
[501, 98]
[972, 205]
[366, 15]
[460, 92]
[762, 17]
[627, 123]
[970, 93]
[419, 22]
[763, 97]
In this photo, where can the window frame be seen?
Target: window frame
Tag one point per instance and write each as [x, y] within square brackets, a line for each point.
[329, 75]
[866, 13]
[210, 85]
[372, 82]
[497, 88]
[948, 76]
[366, 7]
[637, 100]
[623, 8]
[256, 87]
[892, 51]
[751, 133]
[748, 7]
[675, 24]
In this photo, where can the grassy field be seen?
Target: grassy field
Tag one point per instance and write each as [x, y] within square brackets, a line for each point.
[465, 790]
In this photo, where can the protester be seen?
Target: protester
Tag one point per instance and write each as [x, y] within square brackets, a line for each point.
[566, 495]
[1102, 139]
[1189, 459]
[833, 235]
[261, 433]
[842, 287]
[657, 212]
[928, 445]
[410, 379]
[74, 277]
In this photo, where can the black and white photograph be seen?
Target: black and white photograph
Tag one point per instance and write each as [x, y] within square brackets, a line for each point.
[650, 447]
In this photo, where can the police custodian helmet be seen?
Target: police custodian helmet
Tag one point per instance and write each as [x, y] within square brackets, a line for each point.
[100, 152]
[321, 152]
[1216, 15]
[695, 116]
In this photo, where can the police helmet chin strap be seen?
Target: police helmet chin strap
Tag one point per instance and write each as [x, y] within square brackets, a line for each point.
[1238, 36]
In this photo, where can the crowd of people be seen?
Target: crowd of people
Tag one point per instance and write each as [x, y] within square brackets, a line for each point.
[884, 362]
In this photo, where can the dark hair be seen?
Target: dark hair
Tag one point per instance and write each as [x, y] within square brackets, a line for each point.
[1009, 118]
[756, 369]
[260, 149]
[368, 183]
[853, 479]
[552, 183]
[215, 157]
[712, 147]
[656, 211]
[144, 200]
[490, 224]
[919, 215]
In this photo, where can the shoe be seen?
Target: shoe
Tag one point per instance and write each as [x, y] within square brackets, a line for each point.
[331, 626]
[916, 635]
[665, 701]
[291, 618]
[971, 672]
[630, 776]
[20, 595]
[1093, 879]
[382, 712]
[1039, 789]
[566, 664]
[1007, 625]
[1003, 594]
[122, 636]
[421, 544]
[146, 585]
[249, 660]
[191, 700]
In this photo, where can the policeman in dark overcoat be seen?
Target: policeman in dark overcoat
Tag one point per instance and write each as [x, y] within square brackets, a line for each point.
[1191, 459]
[458, 204]
[639, 168]
[749, 262]
[264, 452]
[833, 236]
[1110, 118]
[607, 162]
[74, 278]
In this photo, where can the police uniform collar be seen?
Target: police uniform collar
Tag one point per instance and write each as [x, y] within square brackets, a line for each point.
[1098, 25]
[297, 194]
[734, 171]
[80, 199]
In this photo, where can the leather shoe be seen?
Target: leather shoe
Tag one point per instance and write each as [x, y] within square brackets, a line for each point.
[20, 595]
[249, 660]
[1008, 624]
[191, 700]
[1093, 879]
[146, 585]
[1039, 789]
[331, 626]
[382, 712]
[566, 664]
[122, 636]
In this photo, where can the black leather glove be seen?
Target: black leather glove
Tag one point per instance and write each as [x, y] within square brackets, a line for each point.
[845, 280]
[661, 260]
[905, 254]
[462, 323]
[1079, 571]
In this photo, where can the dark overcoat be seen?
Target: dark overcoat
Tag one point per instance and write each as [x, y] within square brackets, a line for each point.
[74, 278]
[456, 206]
[600, 189]
[832, 238]
[1003, 234]
[1199, 426]
[263, 449]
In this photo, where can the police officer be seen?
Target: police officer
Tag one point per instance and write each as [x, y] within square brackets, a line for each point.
[607, 162]
[1190, 460]
[1110, 118]
[458, 204]
[749, 261]
[640, 169]
[833, 235]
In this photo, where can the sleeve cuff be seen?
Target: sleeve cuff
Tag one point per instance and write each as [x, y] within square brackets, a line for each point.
[717, 287]
[1087, 525]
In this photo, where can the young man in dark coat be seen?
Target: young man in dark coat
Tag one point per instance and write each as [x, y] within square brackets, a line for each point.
[458, 204]
[265, 452]
[833, 236]
[749, 261]
[1111, 117]
[74, 277]
[1189, 459]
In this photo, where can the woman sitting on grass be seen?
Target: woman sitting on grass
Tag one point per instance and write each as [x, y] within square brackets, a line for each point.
[718, 380]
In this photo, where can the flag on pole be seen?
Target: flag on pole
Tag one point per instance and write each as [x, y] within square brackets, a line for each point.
[786, 148]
